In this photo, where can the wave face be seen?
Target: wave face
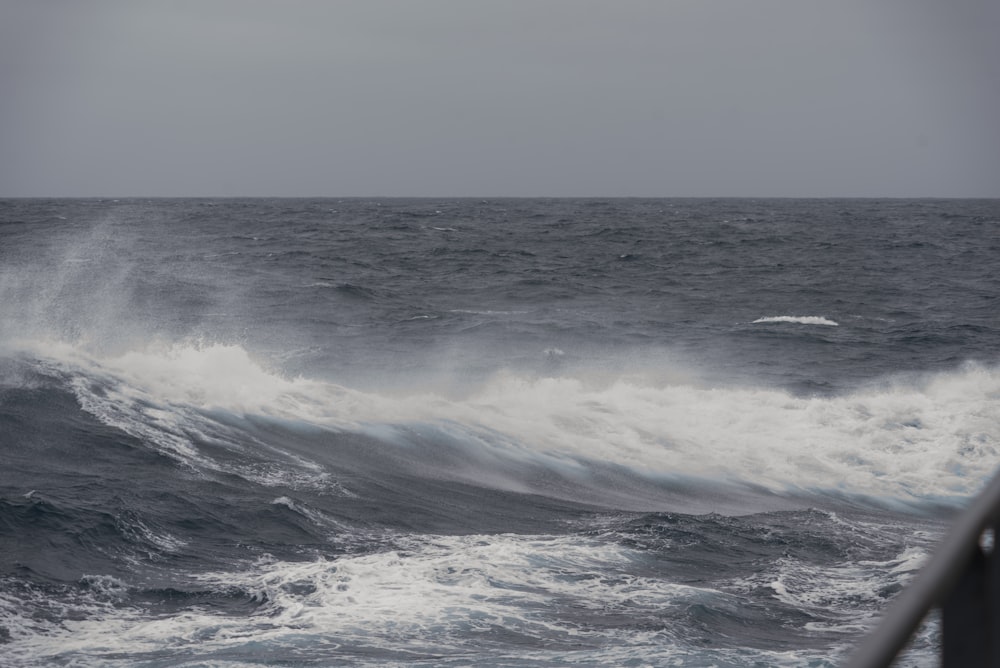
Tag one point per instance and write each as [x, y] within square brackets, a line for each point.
[515, 432]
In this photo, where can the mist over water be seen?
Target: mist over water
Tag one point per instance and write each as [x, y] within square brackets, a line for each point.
[510, 432]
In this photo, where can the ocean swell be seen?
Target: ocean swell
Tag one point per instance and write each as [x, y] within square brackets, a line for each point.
[930, 438]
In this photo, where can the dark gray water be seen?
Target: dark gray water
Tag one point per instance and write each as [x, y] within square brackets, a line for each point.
[464, 432]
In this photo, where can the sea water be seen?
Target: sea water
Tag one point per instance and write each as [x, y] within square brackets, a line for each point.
[511, 432]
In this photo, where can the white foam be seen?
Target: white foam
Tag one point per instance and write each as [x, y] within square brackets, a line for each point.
[935, 437]
[485, 312]
[797, 319]
[842, 587]
[165, 396]
[939, 437]
[850, 595]
[434, 594]
[463, 597]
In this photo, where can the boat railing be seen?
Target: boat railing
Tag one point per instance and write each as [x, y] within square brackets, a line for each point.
[962, 579]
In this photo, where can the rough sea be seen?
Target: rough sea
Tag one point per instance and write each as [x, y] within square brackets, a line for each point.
[464, 432]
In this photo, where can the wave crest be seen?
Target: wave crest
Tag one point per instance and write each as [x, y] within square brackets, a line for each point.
[798, 319]
[934, 438]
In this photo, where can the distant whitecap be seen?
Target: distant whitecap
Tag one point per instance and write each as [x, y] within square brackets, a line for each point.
[801, 320]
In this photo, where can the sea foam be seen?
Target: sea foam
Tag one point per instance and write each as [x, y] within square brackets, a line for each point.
[933, 438]
[797, 319]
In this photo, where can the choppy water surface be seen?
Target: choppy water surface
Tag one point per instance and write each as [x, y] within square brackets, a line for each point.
[464, 432]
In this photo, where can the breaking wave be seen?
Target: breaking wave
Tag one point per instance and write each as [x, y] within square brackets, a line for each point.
[800, 320]
[934, 437]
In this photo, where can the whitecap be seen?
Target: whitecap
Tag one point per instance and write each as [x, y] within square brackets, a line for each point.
[437, 594]
[797, 319]
[485, 312]
[936, 437]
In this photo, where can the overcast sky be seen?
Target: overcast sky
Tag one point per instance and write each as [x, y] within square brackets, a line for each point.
[500, 97]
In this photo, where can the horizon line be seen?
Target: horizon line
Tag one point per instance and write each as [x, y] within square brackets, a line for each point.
[507, 197]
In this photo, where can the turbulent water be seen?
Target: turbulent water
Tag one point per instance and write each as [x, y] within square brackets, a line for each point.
[493, 433]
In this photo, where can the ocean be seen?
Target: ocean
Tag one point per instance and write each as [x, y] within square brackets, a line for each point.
[484, 432]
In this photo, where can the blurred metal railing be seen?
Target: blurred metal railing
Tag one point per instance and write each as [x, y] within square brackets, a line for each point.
[963, 579]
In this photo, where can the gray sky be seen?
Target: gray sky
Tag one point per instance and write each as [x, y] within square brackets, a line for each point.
[492, 98]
